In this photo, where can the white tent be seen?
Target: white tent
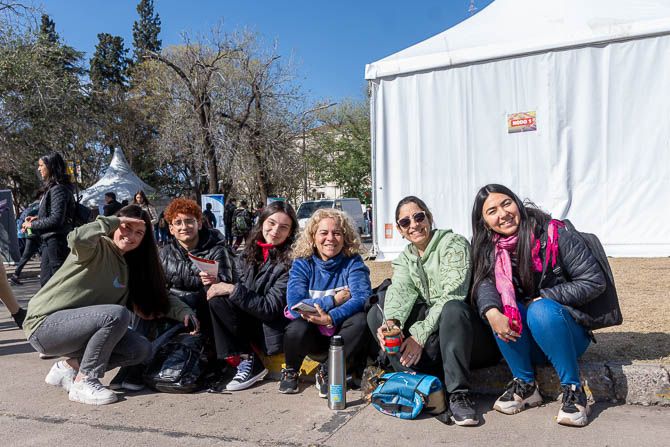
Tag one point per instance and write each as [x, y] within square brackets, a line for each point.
[119, 179]
[563, 101]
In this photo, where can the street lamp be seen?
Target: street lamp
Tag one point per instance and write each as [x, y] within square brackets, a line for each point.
[304, 137]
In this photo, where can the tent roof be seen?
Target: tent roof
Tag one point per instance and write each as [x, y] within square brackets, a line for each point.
[119, 179]
[514, 27]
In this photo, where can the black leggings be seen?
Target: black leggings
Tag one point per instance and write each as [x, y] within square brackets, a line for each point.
[303, 338]
[462, 342]
[54, 252]
[234, 330]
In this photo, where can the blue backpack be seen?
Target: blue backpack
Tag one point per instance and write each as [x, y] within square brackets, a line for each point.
[404, 395]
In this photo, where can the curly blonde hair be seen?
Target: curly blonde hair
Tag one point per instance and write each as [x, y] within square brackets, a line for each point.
[304, 246]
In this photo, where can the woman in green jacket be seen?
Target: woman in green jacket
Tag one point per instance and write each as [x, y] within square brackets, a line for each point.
[82, 313]
[440, 330]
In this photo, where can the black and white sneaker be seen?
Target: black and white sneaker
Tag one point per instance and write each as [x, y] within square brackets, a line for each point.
[462, 409]
[518, 396]
[289, 381]
[575, 408]
[321, 380]
[249, 371]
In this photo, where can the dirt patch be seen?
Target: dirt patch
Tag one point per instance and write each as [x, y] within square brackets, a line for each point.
[643, 285]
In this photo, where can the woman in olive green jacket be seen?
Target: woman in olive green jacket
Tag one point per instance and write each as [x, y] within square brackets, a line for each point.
[426, 300]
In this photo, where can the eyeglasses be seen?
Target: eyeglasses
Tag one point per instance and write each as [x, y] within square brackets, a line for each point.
[416, 217]
[184, 222]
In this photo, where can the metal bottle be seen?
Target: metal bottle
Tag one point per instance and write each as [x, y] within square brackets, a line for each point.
[337, 376]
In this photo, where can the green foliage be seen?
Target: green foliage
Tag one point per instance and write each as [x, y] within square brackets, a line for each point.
[342, 152]
[109, 64]
[146, 30]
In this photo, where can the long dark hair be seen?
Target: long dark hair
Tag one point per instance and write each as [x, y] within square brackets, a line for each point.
[483, 251]
[57, 170]
[253, 254]
[146, 280]
[418, 202]
[145, 201]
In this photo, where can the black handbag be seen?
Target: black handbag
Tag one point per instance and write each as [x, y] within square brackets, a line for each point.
[178, 366]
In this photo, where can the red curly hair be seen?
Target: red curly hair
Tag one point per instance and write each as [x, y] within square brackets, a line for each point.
[182, 206]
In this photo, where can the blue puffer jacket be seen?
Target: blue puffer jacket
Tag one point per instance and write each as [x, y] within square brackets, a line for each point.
[316, 281]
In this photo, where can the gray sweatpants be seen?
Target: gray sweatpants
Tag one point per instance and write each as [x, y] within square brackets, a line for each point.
[97, 336]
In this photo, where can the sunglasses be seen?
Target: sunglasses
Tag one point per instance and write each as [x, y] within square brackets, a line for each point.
[416, 217]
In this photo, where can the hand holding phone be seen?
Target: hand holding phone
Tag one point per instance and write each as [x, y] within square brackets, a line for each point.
[305, 308]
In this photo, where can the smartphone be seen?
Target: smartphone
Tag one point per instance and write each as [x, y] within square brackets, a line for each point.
[304, 308]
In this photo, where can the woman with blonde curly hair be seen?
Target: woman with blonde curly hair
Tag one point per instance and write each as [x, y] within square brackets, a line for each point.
[327, 289]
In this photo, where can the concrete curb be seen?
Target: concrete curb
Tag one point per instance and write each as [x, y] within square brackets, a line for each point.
[640, 384]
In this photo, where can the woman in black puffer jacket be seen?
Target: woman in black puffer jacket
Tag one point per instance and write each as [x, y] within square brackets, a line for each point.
[54, 218]
[533, 316]
[252, 311]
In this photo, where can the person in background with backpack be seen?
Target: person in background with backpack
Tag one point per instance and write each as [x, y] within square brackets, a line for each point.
[52, 223]
[242, 223]
[441, 332]
[531, 313]
[82, 313]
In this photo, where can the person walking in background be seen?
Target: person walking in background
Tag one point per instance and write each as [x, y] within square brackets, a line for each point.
[368, 219]
[31, 244]
[140, 199]
[441, 332]
[161, 229]
[258, 211]
[111, 204]
[7, 297]
[228, 212]
[533, 315]
[327, 289]
[82, 313]
[251, 312]
[209, 216]
[242, 223]
[54, 217]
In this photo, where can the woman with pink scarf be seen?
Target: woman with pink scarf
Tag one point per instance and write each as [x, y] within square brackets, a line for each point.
[531, 313]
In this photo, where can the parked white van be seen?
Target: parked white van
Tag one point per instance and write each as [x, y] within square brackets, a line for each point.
[350, 206]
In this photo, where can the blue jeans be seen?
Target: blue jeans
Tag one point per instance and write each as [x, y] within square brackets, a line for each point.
[549, 334]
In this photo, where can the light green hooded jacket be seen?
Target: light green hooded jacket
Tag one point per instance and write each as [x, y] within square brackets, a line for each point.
[440, 275]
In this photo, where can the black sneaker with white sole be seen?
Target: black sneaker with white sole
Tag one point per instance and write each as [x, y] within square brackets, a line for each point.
[289, 381]
[249, 371]
[575, 407]
[518, 396]
[321, 380]
[462, 409]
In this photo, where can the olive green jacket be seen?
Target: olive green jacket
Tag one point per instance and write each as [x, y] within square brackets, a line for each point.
[440, 275]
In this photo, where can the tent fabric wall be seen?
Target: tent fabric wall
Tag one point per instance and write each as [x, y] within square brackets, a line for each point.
[600, 155]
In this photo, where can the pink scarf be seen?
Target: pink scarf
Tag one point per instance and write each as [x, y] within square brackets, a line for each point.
[503, 268]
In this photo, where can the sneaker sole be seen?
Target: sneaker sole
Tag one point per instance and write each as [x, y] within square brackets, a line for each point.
[569, 420]
[65, 384]
[515, 410]
[243, 386]
[291, 391]
[131, 386]
[75, 397]
[465, 422]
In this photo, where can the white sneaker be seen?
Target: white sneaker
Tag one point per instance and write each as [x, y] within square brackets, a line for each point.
[61, 374]
[249, 371]
[92, 392]
[518, 396]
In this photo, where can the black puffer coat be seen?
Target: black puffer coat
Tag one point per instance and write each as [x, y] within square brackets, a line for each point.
[586, 278]
[183, 276]
[55, 212]
[261, 293]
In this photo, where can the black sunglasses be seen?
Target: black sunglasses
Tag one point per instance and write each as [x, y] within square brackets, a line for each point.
[416, 217]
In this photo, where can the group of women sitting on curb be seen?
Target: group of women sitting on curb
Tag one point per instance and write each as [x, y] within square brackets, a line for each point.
[459, 305]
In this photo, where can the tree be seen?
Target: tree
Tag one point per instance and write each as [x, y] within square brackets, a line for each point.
[344, 141]
[146, 31]
[109, 64]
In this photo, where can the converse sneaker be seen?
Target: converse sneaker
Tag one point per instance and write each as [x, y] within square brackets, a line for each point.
[61, 374]
[92, 392]
[518, 396]
[575, 408]
[15, 280]
[462, 409]
[289, 381]
[321, 380]
[249, 371]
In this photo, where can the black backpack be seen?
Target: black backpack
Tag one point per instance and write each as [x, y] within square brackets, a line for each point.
[178, 366]
[81, 215]
[603, 310]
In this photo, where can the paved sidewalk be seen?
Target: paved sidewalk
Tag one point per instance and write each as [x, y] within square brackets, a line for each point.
[33, 413]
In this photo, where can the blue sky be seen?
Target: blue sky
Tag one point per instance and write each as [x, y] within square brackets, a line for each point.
[330, 41]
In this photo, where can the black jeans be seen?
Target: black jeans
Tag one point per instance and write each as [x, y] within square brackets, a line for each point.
[30, 250]
[303, 338]
[54, 252]
[461, 343]
[234, 330]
